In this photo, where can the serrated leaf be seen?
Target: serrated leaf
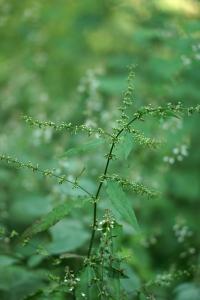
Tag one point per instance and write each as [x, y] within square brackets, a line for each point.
[120, 202]
[7, 260]
[114, 287]
[83, 148]
[124, 147]
[85, 289]
[131, 284]
[67, 235]
[33, 205]
[48, 220]
[16, 282]
[187, 291]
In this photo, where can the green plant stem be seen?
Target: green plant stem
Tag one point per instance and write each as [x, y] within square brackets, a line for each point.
[43, 172]
[101, 184]
[74, 183]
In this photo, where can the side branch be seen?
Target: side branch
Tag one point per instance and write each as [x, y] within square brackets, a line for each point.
[45, 173]
[65, 126]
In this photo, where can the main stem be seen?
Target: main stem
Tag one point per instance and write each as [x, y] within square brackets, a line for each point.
[101, 184]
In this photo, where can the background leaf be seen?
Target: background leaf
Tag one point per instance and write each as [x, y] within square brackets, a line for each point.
[83, 148]
[120, 203]
[187, 291]
[17, 282]
[67, 235]
[124, 147]
[50, 219]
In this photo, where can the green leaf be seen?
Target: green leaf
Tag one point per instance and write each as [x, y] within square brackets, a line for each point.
[35, 207]
[124, 147]
[50, 219]
[83, 148]
[131, 283]
[187, 291]
[115, 287]
[142, 296]
[7, 260]
[114, 273]
[120, 203]
[17, 282]
[85, 289]
[67, 235]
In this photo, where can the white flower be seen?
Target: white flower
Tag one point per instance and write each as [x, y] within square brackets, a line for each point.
[194, 47]
[171, 160]
[165, 125]
[58, 171]
[81, 88]
[175, 150]
[186, 60]
[179, 158]
[63, 163]
[165, 158]
[28, 13]
[184, 150]
[197, 56]
[192, 250]
[90, 123]
[181, 239]
[44, 97]
[70, 177]
[48, 134]
[37, 133]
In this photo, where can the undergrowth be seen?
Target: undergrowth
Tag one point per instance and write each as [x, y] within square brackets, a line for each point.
[101, 268]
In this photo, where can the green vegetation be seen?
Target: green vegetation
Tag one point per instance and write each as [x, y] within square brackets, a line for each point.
[100, 202]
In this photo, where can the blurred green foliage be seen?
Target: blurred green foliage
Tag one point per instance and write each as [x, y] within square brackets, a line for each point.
[67, 61]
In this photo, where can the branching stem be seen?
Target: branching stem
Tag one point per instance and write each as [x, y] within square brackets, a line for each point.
[101, 184]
